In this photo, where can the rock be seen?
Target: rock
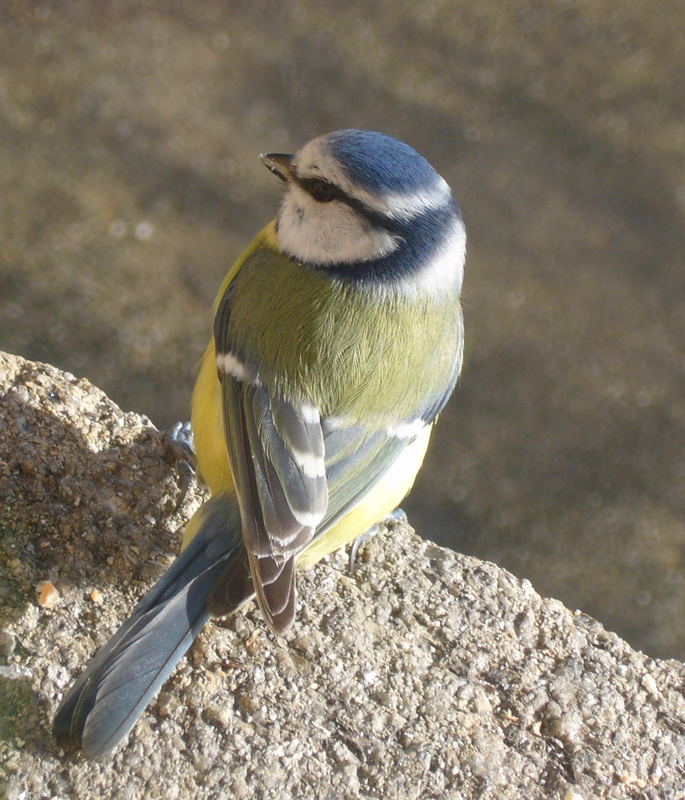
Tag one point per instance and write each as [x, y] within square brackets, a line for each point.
[425, 675]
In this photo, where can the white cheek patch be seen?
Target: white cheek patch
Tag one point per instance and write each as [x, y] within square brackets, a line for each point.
[327, 233]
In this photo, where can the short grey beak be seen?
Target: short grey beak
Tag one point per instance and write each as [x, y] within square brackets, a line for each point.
[278, 163]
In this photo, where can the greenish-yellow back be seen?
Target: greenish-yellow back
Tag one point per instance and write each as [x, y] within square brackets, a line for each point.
[339, 346]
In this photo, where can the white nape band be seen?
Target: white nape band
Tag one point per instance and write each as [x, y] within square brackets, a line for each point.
[407, 430]
[406, 206]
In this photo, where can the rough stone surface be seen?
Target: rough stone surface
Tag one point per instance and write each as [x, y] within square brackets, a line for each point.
[129, 182]
[425, 674]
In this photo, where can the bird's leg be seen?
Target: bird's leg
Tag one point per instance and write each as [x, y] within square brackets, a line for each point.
[180, 440]
[181, 443]
[397, 517]
[358, 542]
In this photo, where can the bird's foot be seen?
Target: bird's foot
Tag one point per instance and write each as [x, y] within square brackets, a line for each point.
[358, 543]
[397, 517]
[181, 444]
[181, 441]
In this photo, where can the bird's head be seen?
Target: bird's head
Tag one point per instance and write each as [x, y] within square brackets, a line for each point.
[353, 197]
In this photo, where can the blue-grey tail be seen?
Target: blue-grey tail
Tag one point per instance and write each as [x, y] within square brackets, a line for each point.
[116, 687]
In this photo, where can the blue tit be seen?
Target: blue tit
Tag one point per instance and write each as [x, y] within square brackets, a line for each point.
[337, 340]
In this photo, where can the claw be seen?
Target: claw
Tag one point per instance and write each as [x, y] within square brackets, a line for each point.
[181, 443]
[358, 543]
[181, 440]
[397, 517]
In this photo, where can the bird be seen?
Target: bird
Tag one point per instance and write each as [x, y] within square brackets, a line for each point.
[337, 340]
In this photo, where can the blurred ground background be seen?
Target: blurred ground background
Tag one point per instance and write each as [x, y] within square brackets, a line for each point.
[129, 182]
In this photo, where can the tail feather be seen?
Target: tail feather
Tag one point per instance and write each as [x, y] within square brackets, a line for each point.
[107, 699]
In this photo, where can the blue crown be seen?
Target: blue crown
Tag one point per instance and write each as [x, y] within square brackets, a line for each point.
[379, 163]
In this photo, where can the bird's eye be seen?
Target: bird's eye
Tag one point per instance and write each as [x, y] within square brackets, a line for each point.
[321, 191]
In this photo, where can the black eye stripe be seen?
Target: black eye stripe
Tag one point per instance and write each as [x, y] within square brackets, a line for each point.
[324, 192]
